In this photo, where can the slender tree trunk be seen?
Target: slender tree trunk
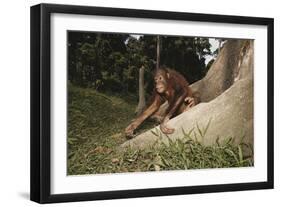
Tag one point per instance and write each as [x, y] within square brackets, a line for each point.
[158, 52]
[141, 104]
[219, 49]
[76, 73]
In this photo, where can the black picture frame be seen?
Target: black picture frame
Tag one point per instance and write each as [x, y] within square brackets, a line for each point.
[41, 99]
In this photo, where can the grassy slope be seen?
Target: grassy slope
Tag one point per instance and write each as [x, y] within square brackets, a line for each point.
[96, 124]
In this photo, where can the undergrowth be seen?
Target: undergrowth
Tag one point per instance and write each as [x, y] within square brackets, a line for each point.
[96, 123]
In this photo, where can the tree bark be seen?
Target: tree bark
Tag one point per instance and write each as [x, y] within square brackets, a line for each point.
[158, 52]
[141, 104]
[219, 49]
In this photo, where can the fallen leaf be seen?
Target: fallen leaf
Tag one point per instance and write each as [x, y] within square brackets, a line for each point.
[115, 160]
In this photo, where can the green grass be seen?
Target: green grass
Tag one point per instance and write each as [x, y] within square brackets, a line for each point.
[96, 124]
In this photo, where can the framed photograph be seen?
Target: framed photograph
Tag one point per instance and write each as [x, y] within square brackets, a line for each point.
[132, 103]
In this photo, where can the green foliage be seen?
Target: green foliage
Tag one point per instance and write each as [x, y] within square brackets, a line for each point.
[95, 57]
[186, 55]
[96, 122]
[110, 62]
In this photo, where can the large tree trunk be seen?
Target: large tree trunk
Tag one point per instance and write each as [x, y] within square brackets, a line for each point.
[225, 70]
[227, 91]
[141, 104]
